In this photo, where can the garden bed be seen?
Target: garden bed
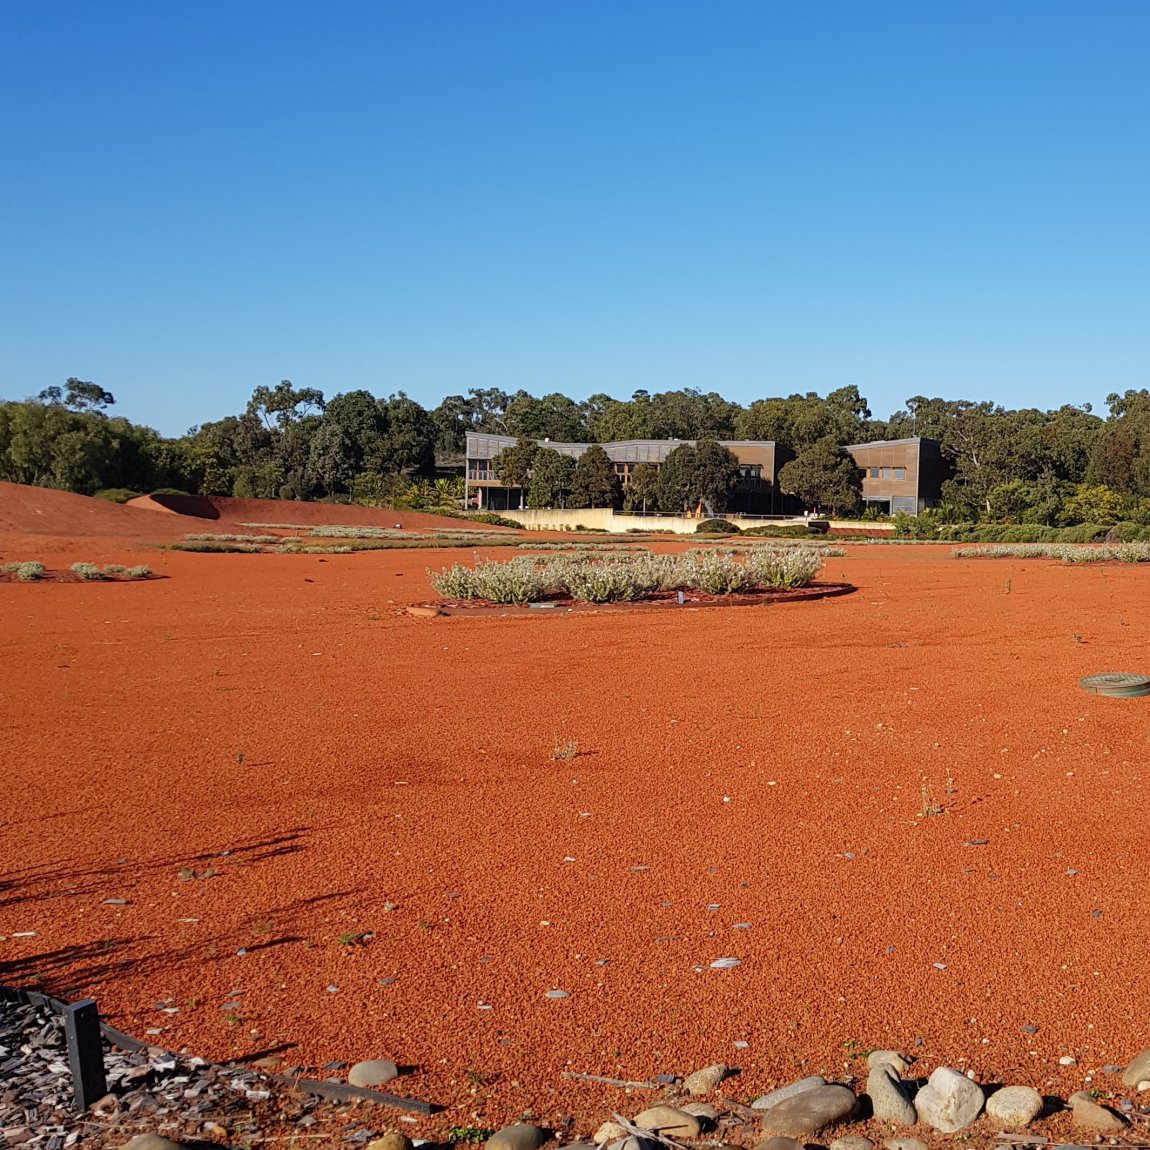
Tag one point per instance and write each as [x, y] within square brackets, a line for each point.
[658, 600]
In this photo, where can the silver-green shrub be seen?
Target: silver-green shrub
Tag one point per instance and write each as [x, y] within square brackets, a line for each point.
[25, 572]
[783, 568]
[88, 571]
[610, 581]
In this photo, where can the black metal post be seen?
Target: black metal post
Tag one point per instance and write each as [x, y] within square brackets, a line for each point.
[85, 1052]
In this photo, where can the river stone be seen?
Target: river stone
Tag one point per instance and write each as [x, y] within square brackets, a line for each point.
[1086, 1114]
[609, 1132]
[784, 1092]
[1014, 1105]
[809, 1111]
[669, 1121]
[392, 1140]
[152, 1142]
[949, 1101]
[780, 1142]
[701, 1110]
[705, 1080]
[521, 1136]
[904, 1144]
[373, 1072]
[889, 1097]
[889, 1058]
[1138, 1070]
[852, 1142]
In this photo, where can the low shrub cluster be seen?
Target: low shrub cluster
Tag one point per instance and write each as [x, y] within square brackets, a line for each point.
[782, 531]
[716, 527]
[27, 572]
[1018, 533]
[90, 572]
[1136, 552]
[116, 494]
[625, 578]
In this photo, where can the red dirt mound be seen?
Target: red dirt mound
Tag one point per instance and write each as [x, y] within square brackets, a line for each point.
[295, 512]
[43, 511]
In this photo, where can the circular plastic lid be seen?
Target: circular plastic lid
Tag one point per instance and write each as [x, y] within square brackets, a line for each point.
[1118, 685]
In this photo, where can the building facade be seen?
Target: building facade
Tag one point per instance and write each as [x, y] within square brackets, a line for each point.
[897, 474]
[901, 474]
[757, 493]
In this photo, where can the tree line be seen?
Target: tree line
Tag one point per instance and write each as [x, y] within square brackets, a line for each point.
[1027, 465]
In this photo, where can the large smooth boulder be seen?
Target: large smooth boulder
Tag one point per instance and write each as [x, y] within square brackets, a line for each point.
[811, 1111]
[949, 1102]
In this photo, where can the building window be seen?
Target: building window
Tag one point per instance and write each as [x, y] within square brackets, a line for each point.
[885, 472]
[874, 473]
[900, 473]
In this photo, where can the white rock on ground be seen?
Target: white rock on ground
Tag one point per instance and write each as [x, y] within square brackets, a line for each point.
[373, 1072]
[1014, 1105]
[609, 1132]
[949, 1102]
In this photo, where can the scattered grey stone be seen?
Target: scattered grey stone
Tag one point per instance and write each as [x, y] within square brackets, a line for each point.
[373, 1072]
[811, 1111]
[668, 1120]
[151, 1142]
[556, 994]
[949, 1101]
[1030, 1028]
[1014, 1106]
[392, 1140]
[609, 1132]
[889, 1097]
[780, 1142]
[702, 1110]
[705, 1080]
[521, 1136]
[1086, 1114]
[789, 1091]
[851, 1142]
[1068, 1060]
[1138, 1070]
[889, 1058]
[904, 1144]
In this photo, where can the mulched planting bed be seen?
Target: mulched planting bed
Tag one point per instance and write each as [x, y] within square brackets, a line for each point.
[71, 577]
[660, 600]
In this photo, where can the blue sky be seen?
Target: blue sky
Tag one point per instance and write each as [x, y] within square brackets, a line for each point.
[750, 197]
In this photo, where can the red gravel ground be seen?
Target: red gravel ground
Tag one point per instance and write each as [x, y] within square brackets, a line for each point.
[265, 757]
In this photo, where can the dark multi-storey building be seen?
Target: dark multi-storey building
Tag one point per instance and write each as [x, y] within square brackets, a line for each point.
[897, 475]
[759, 462]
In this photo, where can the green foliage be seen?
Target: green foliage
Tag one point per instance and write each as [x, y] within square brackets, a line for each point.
[594, 482]
[716, 527]
[513, 465]
[459, 1134]
[552, 479]
[778, 531]
[642, 492]
[701, 474]
[116, 494]
[494, 520]
[823, 475]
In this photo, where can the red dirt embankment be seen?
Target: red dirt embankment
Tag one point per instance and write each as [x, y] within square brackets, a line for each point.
[895, 808]
[44, 511]
[296, 513]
